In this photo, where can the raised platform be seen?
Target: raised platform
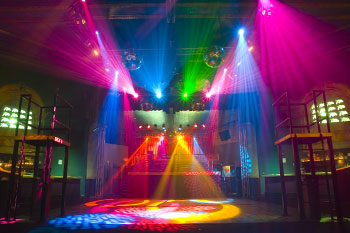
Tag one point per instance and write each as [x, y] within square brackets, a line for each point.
[41, 140]
[303, 138]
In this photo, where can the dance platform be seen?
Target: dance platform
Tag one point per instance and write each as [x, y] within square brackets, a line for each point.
[190, 215]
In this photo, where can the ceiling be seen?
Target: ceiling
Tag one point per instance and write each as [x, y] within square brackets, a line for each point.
[125, 20]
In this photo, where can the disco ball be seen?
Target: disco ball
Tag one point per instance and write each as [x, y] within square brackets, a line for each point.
[130, 60]
[214, 56]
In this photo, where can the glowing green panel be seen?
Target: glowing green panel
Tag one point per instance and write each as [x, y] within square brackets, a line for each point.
[333, 114]
[336, 111]
[345, 119]
[343, 113]
[339, 101]
[9, 118]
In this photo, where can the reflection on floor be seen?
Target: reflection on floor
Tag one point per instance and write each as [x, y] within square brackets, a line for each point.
[169, 215]
[3, 221]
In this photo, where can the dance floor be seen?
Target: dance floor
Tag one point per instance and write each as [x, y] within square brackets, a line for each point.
[166, 215]
[191, 215]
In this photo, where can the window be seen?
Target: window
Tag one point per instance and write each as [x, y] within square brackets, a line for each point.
[336, 110]
[9, 118]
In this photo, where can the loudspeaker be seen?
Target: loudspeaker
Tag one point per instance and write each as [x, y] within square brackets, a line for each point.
[224, 135]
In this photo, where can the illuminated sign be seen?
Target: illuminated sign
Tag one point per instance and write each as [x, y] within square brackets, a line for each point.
[58, 140]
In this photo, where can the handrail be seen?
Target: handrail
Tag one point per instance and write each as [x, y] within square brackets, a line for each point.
[67, 107]
[282, 122]
[55, 129]
[281, 97]
[61, 124]
[33, 102]
[27, 124]
[64, 101]
[286, 103]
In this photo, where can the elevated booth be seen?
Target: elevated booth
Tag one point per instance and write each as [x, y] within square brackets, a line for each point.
[50, 133]
[295, 128]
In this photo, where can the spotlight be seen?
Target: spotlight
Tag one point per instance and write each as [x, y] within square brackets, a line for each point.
[195, 125]
[203, 125]
[83, 0]
[116, 73]
[180, 127]
[95, 52]
[96, 32]
[251, 48]
[140, 126]
[185, 95]
[107, 69]
[146, 138]
[136, 95]
[225, 70]
[124, 89]
[159, 94]
[241, 32]
[163, 127]
[148, 126]
[208, 95]
[161, 138]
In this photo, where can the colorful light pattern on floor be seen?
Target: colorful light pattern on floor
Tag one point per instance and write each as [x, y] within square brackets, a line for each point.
[3, 221]
[150, 215]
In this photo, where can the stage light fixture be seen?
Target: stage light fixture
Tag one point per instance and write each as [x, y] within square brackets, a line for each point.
[251, 48]
[159, 94]
[136, 95]
[180, 127]
[161, 138]
[96, 32]
[208, 95]
[195, 125]
[107, 69]
[140, 126]
[185, 95]
[163, 127]
[95, 52]
[241, 32]
[82, 0]
[203, 125]
[225, 70]
[148, 126]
